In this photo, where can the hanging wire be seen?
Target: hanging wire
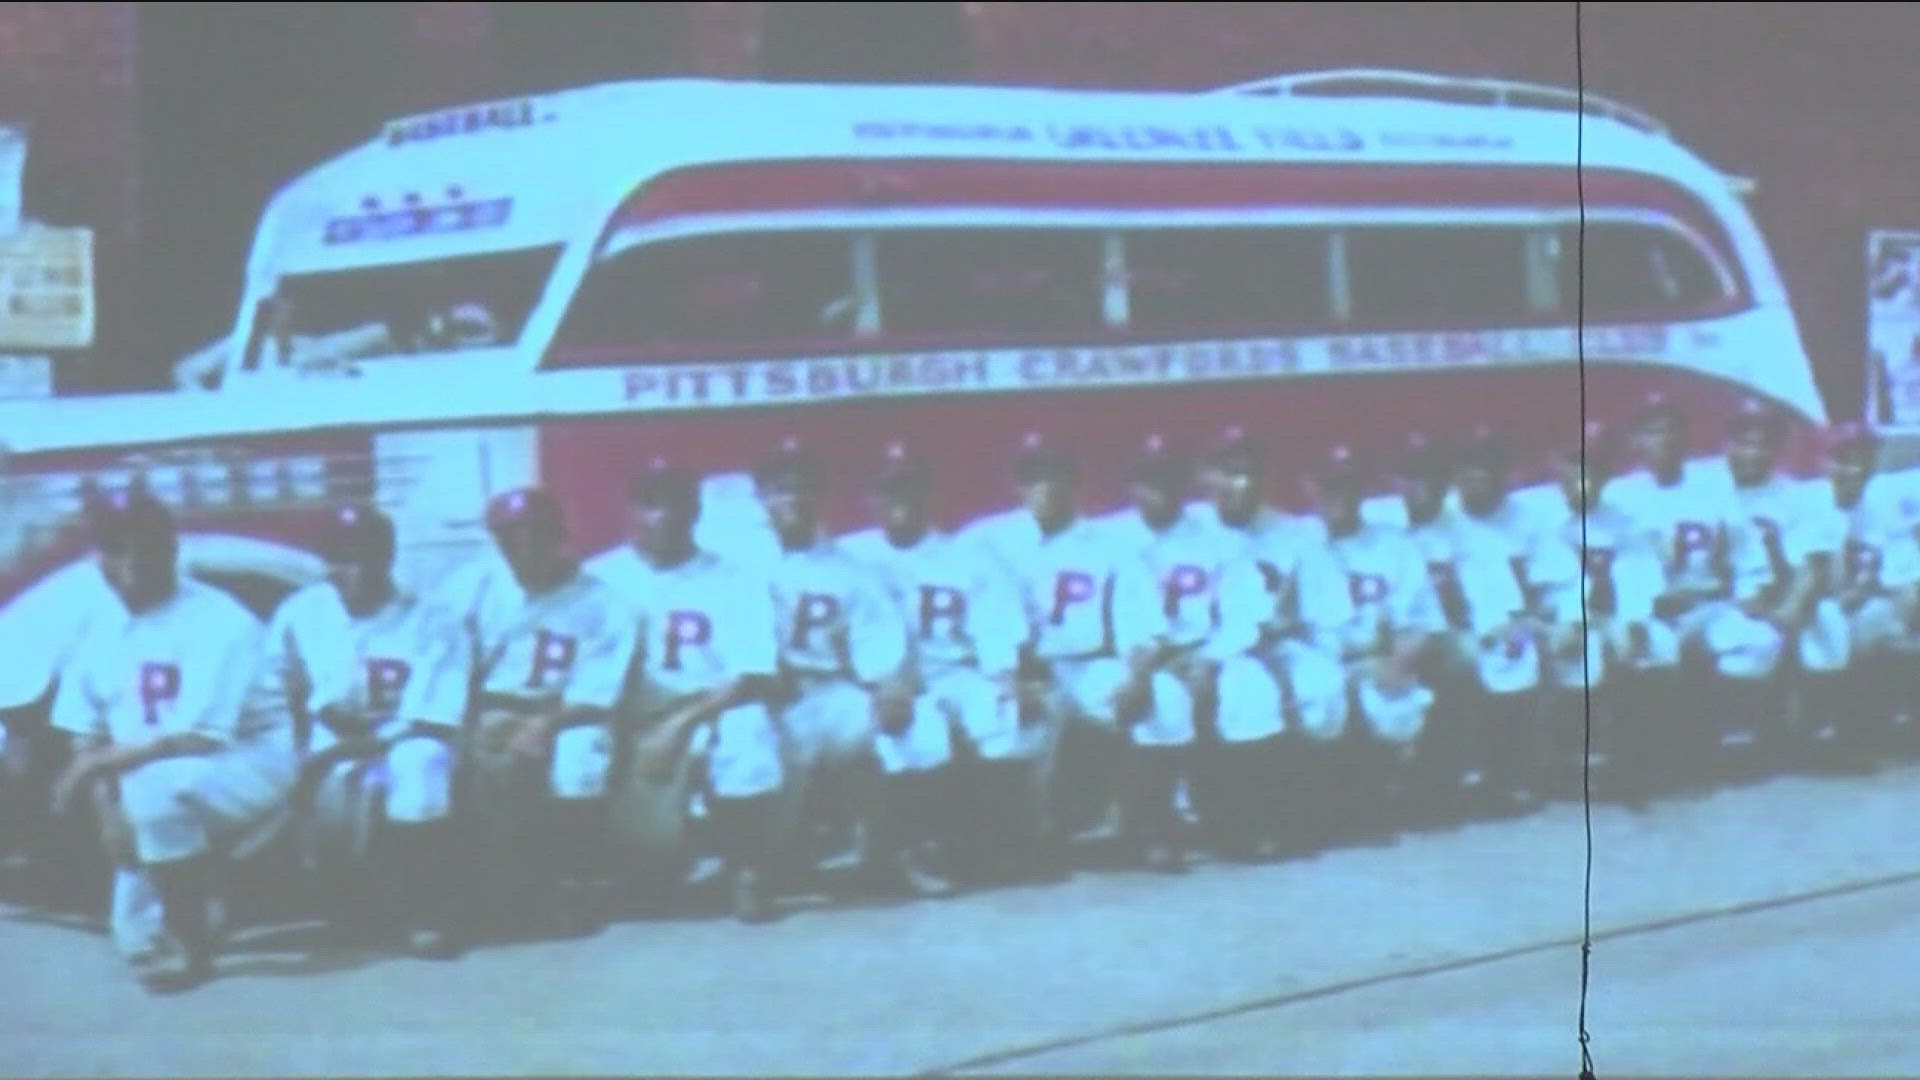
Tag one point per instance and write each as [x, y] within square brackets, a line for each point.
[1586, 680]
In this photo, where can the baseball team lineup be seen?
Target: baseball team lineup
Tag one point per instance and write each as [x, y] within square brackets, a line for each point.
[541, 740]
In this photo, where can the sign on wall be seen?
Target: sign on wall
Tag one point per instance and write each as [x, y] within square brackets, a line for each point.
[46, 289]
[13, 167]
[1893, 328]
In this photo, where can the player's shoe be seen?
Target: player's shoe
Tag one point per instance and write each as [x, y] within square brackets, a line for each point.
[751, 902]
[173, 967]
[579, 908]
[433, 945]
[910, 872]
[1162, 857]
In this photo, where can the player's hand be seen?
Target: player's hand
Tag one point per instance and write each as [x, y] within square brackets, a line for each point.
[1639, 642]
[1671, 606]
[1133, 701]
[78, 776]
[1394, 679]
[533, 738]
[893, 708]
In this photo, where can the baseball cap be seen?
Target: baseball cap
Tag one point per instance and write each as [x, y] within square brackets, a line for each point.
[1422, 457]
[1658, 408]
[1594, 445]
[790, 464]
[1341, 469]
[129, 519]
[663, 481]
[1851, 436]
[1485, 447]
[901, 469]
[1757, 417]
[529, 506]
[1039, 459]
[1236, 451]
[354, 533]
[1156, 463]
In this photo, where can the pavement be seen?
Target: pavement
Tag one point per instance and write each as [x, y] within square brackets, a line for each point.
[1768, 929]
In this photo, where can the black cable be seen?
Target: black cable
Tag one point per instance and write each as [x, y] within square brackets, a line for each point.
[1586, 622]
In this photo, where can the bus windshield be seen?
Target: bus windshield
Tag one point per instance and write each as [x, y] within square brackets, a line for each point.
[434, 306]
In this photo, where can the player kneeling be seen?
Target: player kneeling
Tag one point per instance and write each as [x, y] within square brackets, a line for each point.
[702, 733]
[1104, 737]
[1396, 617]
[376, 789]
[954, 749]
[182, 776]
[531, 660]
[1878, 589]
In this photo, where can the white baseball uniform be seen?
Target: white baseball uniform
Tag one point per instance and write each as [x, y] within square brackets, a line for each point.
[1489, 557]
[1882, 561]
[840, 633]
[569, 647]
[1392, 597]
[1284, 600]
[320, 658]
[1690, 524]
[702, 625]
[965, 625]
[1622, 578]
[182, 667]
[1089, 600]
[1784, 524]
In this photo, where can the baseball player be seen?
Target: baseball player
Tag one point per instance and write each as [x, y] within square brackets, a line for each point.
[530, 658]
[1396, 616]
[1686, 511]
[706, 673]
[181, 776]
[1592, 589]
[338, 658]
[1878, 584]
[1782, 552]
[1489, 668]
[963, 737]
[1094, 616]
[843, 660]
[1283, 599]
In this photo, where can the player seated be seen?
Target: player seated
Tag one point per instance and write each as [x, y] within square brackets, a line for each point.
[1087, 673]
[843, 663]
[530, 656]
[1395, 617]
[700, 744]
[958, 748]
[181, 777]
[376, 789]
[1878, 589]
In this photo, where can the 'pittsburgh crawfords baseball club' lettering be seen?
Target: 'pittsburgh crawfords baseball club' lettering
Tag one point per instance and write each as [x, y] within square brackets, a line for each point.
[1069, 368]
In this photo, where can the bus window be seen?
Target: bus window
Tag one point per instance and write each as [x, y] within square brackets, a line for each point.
[1408, 277]
[987, 282]
[473, 302]
[1634, 269]
[703, 296]
[1223, 280]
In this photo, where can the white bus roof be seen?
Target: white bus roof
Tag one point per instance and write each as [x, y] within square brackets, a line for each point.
[567, 160]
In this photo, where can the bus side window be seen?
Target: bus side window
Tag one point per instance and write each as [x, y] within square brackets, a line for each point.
[990, 281]
[1223, 280]
[1426, 276]
[1635, 269]
[707, 295]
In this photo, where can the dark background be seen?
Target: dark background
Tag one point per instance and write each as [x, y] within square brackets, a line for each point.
[166, 126]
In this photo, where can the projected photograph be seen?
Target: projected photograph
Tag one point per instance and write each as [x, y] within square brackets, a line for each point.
[959, 539]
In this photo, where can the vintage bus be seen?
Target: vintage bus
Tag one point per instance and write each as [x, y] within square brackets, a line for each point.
[551, 289]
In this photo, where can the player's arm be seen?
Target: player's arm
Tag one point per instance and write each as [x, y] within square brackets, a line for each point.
[997, 621]
[1813, 547]
[445, 659]
[1244, 606]
[1136, 616]
[1322, 601]
[1416, 615]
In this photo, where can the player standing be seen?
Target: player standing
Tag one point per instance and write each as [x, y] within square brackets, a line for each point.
[339, 656]
[843, 662]
[963, 738]
[1878, 586]
[1093, 614]
[531, 657]
[1396, 617]
[179, 773]
[706, 671]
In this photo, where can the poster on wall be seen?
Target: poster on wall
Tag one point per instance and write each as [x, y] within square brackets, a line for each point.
[46, 289]
[13, 168]
[1893, 329]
